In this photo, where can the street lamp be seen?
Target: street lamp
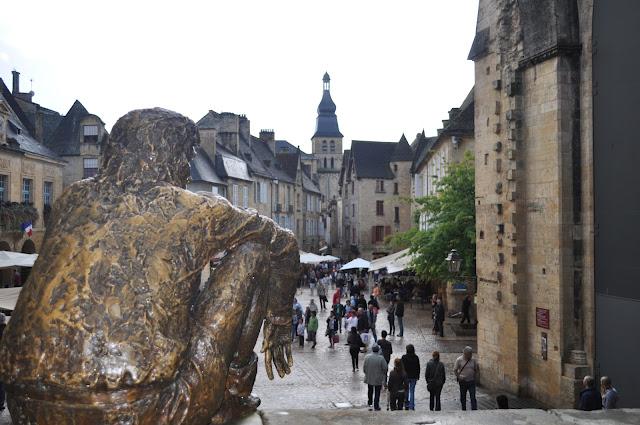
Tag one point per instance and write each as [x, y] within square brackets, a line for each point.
[454, 261]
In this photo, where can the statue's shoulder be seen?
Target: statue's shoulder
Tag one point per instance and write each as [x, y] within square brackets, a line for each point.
[188, 198]
[77, 190]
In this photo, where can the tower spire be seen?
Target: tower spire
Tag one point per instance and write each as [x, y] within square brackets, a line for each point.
[326, 82]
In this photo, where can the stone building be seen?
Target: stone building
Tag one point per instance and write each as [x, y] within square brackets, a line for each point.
[30, 179]
[76, 137]
[306, 203]
[557, 293]
[327, 154]
[250, 173]
[375, 184]
[434, 154]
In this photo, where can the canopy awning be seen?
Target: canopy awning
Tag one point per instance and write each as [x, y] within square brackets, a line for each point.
[311, 258]
[9, 297]
[394, 263]
[13, 259]
[358, 263]
[329, 258]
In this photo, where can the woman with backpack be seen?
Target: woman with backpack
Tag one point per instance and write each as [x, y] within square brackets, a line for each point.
[435, 376]
[398, 385]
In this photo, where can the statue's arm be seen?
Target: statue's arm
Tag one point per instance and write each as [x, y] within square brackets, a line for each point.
[285, 266]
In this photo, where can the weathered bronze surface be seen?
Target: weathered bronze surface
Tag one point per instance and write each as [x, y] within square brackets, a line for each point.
[112, 326]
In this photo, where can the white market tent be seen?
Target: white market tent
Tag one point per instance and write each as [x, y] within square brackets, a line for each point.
[311, 258]
[329, 258]
[358, 263]
[16, 259]
[9, 297]
[394, 263]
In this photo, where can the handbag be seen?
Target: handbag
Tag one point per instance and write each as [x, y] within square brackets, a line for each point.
[336, 339]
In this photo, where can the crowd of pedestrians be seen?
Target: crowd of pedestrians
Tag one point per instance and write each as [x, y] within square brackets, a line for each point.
[352, 311]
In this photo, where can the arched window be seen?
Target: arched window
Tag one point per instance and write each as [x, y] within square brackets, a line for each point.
[332, 164]
[332, 147]
[325, 163]
[324, 146]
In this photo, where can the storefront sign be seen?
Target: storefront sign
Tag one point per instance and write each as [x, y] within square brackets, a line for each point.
[542, 318]
[459, 287]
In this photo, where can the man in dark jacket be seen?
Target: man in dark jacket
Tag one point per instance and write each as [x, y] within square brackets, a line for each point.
[385, 347]
[435, 377]
[411, 364]
[439, 316]
[590, 398]
[400, 315]
[363, 321]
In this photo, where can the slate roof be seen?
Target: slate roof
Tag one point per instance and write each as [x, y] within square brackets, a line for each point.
[327, 121]
[282, 146]
[371, 159]
[480, 45]
[289, 163]
[202, 169]
[403, 151]
[269, 160]
[23, 141]
[463, 122]
[422, 147]
[253, 161]
[66, 139]
[308, 184]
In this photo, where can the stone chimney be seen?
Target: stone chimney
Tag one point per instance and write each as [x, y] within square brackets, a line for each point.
[16, 82]
[208, 142]
[269, 137]
[454, 112]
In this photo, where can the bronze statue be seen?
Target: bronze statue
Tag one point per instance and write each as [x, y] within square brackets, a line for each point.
[112, 326]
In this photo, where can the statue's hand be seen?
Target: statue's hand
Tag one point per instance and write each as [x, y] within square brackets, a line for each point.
[277, 345]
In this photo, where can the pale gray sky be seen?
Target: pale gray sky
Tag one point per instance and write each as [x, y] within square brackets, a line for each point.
[396, 66]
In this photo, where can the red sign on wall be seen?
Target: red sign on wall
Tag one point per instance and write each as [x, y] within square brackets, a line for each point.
[542, 318]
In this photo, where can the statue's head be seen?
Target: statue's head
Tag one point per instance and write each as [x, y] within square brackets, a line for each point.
[148, 146]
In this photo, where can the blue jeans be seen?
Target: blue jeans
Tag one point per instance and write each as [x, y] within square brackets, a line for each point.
[471, 387]
[411, 395]
[400, 325]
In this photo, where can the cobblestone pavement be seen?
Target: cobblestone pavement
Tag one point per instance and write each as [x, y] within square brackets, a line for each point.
[323, 378]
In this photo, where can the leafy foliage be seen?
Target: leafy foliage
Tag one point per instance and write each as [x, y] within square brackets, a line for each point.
[452, 224]
[13, 214]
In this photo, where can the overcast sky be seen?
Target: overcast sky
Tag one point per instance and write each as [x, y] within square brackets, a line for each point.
[395, 66]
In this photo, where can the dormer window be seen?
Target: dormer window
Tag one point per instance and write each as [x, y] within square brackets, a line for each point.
[90, 133]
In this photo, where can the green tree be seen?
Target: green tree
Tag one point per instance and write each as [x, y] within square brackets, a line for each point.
[452, 224]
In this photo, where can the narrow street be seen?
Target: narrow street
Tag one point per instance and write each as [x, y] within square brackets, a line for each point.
[322, 377]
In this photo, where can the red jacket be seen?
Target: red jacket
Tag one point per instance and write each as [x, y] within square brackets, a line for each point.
[336, 297]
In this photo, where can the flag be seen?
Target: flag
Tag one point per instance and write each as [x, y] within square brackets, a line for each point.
[27, 227]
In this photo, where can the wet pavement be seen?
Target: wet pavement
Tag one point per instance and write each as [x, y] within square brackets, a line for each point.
[323, 378]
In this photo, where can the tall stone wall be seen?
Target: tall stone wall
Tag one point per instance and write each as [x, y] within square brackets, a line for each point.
[529, 198]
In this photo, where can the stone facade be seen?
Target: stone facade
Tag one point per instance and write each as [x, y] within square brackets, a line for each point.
[29, 174]
[433, 155]
[374, 200]
[251, 174]
[534, 332]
